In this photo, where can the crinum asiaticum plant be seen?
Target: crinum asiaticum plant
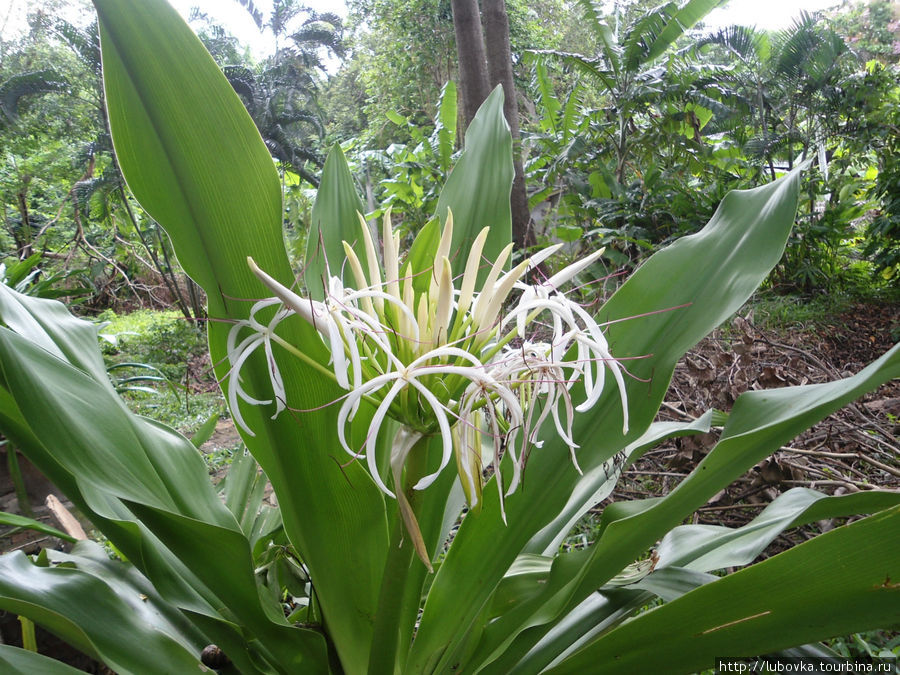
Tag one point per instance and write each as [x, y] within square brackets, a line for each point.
[322, 373]
[440, 360]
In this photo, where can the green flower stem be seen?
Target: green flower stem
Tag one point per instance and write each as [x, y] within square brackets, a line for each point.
[303, 357]
[318, 366]
[393, 598]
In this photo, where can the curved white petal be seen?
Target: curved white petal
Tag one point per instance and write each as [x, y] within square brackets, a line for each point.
[372, 437]
[443, 424]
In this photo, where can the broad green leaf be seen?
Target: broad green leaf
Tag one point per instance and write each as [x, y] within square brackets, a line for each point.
[396, 118]
[597, 485]
[206, 430]
[169, 574]
[49, 324]
[685, 18]
[99, 619]
[198, 165]
[788, 599]
[627, 529]
[713, 547]
[478, 188]
[420, 259]
[335, 219]
[708, 276]
[18, 661]
[195, 163]
[157, 473]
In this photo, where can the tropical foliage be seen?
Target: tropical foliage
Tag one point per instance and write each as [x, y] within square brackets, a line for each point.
[396, 564]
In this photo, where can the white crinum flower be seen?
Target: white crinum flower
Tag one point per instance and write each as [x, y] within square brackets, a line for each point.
[239, 351]
[440, 359]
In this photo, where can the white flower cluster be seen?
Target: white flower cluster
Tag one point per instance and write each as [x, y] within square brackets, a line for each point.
[441, 359]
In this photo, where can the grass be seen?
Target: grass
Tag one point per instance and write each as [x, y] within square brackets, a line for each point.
[776, 312]
[161, 339]
[165, 344]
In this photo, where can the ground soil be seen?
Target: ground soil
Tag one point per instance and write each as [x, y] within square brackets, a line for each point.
[857, 448]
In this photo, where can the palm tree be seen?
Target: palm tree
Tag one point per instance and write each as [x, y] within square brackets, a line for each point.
[785, 85]
[280, 98]
[281, 94]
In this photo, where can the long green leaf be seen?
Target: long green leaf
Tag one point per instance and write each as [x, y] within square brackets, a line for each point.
[14, 520]
[189, 150]
[685, 18]
[198, 165]
[787, 599]
[98, 618]
[627, 529]
[697, 547]
[445, 127]
[478, 188]
[16, 661]
[157, 473]
[714, 547]
[593, 489]
[334, 220]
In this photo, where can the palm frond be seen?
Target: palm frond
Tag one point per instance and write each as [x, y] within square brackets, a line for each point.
[85, 42]
[744, 42]
[13, 90]
[592, 67]
[808, 50]
[254, 13]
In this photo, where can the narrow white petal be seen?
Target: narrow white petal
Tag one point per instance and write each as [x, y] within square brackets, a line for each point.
[278, 392]
[444, 425]
[444, 305]
[443, 251]
[391, 256]
[303, 307]
[498, 295]
[345, 414]
[484, 298]
[568, 273]
[542, 255]
[371, 256]
[471, 275]
[372, 439]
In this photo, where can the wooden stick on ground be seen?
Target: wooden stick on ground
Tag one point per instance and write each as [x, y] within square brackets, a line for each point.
[66, 520]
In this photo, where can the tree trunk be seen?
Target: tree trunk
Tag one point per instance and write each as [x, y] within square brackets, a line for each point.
[473, 79]
[499, 63]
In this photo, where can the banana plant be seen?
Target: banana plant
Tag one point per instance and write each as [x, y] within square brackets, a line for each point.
[429, 444]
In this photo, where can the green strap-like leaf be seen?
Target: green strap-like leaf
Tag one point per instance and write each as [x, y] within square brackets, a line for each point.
[714, 547]
[785, 600]
[597, 485]
[16, 661]
[627, 529]
[13, 520]
[334, 219]
[478, 188]
[685, 18]
[93, 617]
[160, 477]
[195, 161]
[189, 150]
